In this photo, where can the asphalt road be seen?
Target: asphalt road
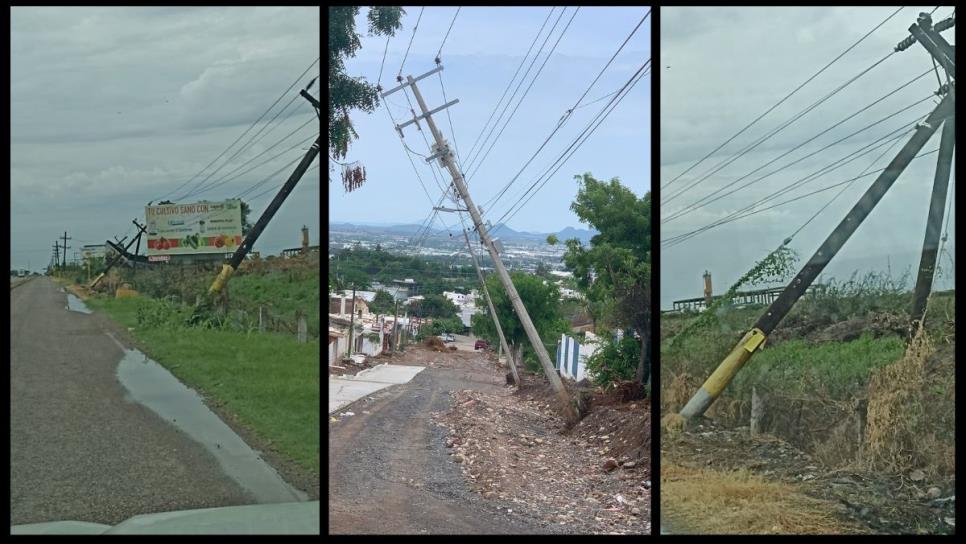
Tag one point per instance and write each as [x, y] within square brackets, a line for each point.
[390, 473]
[79, 449]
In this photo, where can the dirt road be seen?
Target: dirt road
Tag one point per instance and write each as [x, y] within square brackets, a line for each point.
[389, 471]
[79, 449]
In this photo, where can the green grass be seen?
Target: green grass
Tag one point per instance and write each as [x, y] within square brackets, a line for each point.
[840, 368]
[284, 292]
[270, 382]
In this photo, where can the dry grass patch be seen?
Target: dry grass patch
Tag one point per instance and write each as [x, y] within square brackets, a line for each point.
[702, 501]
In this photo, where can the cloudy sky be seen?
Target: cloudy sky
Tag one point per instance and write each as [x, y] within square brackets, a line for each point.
[481, 55]
[723, 67]
[115, 107]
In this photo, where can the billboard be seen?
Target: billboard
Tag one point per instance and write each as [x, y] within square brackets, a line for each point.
[93, 251]
[193, 229]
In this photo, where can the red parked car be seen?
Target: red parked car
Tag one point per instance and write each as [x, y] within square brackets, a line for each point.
[481, 344]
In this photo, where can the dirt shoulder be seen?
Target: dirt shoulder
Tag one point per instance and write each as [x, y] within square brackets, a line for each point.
[513, 448]
[710, 466]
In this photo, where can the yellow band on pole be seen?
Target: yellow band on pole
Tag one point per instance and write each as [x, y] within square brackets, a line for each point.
[96, 280]
[731, 364]
[226, 272]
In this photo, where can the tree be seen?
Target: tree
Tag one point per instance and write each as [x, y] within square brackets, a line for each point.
[446, 324]
[347, 93]
[542, 302]
[614, 271]
[382, 303]
[434, 306]
[246, 226]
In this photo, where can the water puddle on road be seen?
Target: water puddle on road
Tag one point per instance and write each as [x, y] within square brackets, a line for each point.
[75, 304]
[151, 385]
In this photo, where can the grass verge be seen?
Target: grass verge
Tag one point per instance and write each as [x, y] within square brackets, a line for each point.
[269, 382]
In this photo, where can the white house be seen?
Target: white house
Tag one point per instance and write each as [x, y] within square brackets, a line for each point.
[458, 299]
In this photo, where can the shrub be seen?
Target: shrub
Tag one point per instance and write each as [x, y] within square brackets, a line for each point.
[615, 361]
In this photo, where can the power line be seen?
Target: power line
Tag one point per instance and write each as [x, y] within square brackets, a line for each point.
[440, 52]
[459, 160]
[411, 38]
[255, 138]
[560, 123]
[834, 165]
[894, 135]
[407, 151]
[250, 127]
[718, 167]
[579, 141]
[480, 162]
[276, 187]
[672, 242]
[512, 79]
[709, 200]
[780, 102]
[849, 184]
[227, 177]
[259, 165]
[441, 185]
[383, 63]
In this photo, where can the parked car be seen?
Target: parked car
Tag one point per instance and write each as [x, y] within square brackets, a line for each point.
[481, 344]
[447, 337]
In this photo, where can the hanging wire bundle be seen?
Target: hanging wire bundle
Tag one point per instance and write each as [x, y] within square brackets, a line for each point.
[353, 176]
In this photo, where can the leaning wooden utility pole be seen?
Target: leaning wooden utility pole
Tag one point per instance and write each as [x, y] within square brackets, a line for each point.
[924, 33]
[496, 319]
[442, 151]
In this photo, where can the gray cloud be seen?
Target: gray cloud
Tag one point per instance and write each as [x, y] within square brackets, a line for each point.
[721, 68]
[112, 107]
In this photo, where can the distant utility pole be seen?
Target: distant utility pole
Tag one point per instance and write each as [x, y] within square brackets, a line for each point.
[65, 248]
[395, 320]
[442, 151]
[496, 319]
[352, 318]
[56, 253]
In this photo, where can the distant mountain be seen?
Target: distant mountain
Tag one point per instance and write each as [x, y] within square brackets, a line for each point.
[501, 231]
[583, 235]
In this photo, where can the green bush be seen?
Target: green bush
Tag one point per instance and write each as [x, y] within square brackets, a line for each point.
[615, 361]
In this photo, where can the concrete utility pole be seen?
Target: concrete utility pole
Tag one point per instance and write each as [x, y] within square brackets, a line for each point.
[352, 317]
[943, 54]
[442, 151]
[228, 269]
[395, 321]
[496, 319]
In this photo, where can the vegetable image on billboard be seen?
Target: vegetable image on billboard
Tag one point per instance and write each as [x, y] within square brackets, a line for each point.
[194, 229]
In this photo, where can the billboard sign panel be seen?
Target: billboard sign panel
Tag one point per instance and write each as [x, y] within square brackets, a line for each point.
[93, 251]
[193, 229]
